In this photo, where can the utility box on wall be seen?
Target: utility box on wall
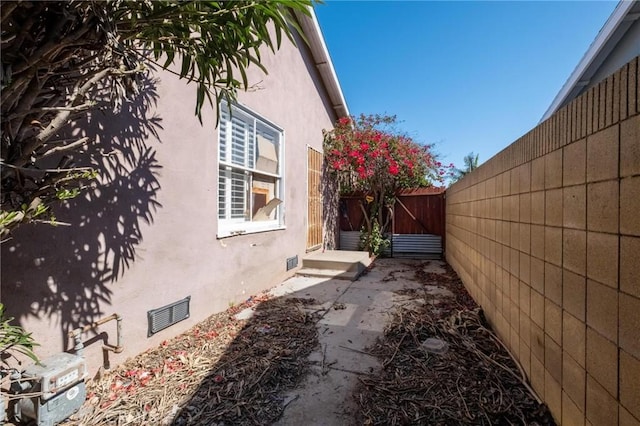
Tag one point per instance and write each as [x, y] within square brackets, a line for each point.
[59, 389]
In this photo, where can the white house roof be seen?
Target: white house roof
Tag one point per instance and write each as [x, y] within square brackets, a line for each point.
[613, 47]
[322, 60]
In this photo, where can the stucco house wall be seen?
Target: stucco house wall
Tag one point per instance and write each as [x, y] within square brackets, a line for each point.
[546, 237]
[147, 236]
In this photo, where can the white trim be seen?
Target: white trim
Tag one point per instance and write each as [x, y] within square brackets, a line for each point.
[248, 169]
[256, 115]
[282, 190]
[225, 231]
[597, 52]
[238, 226]
[311, 28]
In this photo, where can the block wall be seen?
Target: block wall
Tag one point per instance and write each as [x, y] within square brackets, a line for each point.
[546, 237]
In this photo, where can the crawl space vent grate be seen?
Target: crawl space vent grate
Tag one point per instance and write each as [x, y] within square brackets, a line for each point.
[161, 318]
[292, 262]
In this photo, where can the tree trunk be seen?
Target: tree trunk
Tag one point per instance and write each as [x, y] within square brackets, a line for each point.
[330, 209]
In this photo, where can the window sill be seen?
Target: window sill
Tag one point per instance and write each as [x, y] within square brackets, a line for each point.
[249, 229]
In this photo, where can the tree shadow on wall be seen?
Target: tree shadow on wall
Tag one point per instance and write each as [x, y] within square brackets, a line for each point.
[66, 270]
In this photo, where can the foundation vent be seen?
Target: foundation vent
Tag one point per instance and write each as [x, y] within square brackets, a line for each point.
[292, 262]
[161, 318]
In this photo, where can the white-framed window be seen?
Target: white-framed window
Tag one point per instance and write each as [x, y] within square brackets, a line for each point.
[250, 173]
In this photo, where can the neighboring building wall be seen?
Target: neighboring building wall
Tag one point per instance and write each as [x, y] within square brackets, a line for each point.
[546, 237]
[625, 50]
[147, 238]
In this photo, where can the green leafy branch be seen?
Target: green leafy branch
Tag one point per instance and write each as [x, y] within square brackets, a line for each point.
[14, 339]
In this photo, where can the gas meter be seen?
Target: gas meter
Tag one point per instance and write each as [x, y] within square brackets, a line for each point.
[58, 385]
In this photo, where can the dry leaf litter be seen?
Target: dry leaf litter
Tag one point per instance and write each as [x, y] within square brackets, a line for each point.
[226, 371]
[222, 372]
[467, 378]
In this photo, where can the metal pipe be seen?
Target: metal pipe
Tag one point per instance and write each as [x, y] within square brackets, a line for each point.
[76, 333]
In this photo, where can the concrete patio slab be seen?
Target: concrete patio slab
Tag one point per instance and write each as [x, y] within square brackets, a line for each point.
[354, 315]
[295, 285]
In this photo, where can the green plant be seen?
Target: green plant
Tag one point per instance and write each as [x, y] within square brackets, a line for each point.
[14, 339]
[65, 60]
[9, 219]
[470, 164]
[67, 194]
[373, 241]
[369, 156]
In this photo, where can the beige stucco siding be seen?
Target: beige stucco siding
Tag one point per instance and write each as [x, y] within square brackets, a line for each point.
[172, 251]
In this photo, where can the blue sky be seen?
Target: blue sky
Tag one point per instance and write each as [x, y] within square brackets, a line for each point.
[467, 76]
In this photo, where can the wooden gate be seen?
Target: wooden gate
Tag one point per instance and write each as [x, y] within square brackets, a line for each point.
[418, 223]
[314, 198]
[419, 211]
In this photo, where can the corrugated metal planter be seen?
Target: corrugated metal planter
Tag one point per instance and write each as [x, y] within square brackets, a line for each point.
[408, 246]
[350, 240]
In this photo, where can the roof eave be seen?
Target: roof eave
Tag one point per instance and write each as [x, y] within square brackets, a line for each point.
[598, 51]
[322, 60]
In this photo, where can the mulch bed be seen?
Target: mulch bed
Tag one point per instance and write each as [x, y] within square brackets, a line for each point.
[226, 371]
[475, 382]
[222, 372]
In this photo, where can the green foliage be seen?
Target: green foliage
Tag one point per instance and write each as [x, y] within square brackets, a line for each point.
[14, 340]
[370, 156]
[67, 194]
[64, 59]
[373, 240]
[470, 164]
[10, 219]
[211, 41]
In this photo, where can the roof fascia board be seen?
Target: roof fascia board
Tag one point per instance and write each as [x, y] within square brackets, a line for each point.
[594, 53]
[311, 28]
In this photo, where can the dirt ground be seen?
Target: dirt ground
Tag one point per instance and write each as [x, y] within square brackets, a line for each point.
[328, 352]
[442, 365]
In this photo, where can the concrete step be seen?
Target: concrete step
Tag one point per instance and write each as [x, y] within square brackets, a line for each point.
[329, 273]
[337, 260]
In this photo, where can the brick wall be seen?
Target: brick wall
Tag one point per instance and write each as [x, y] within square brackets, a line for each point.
[546, 237]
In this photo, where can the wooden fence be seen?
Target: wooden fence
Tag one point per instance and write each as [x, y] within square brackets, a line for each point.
[416, 211]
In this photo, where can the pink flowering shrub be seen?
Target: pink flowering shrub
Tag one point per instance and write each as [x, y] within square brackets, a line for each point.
[367, 155]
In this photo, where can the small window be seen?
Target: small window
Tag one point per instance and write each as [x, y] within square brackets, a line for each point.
[250, 170]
